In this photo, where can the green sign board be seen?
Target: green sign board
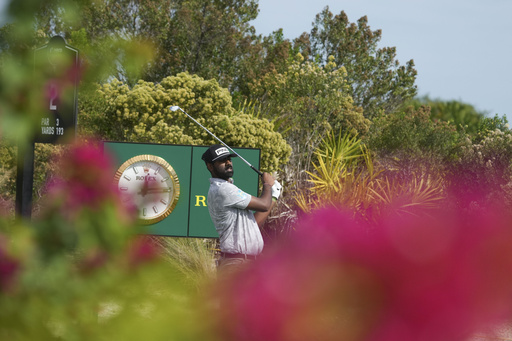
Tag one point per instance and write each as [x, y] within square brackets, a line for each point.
[189, 217]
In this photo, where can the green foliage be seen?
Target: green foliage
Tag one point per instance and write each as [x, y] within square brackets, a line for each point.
[267, 54]
[377, 80]
[214, 40]
[335, 159]
[207, 38]
[141, 114]
[43, 166]
[204, 37]
[8, 157]
[463, 116]
[310, 101]
[489, 125]
[101, 30]
[410, 138]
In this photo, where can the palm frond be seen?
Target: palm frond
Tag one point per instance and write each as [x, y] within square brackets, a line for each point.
[344, 175]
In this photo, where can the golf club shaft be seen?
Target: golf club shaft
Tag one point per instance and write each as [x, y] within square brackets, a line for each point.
[209, 132]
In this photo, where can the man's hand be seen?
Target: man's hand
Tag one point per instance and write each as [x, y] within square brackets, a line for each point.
[276, 190]
[266, 178]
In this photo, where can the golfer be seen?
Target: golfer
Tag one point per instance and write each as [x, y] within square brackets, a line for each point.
[231, 210]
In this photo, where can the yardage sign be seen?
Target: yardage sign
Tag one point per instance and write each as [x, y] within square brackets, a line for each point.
[56, 71]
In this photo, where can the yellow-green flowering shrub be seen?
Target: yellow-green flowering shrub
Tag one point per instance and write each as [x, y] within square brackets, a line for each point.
[141, 114]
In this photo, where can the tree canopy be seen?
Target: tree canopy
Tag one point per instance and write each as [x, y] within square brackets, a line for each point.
[377, 79]
[215, 40]
[310, 101]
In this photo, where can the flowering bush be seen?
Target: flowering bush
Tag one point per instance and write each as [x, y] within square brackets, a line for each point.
[141, 114]
[82, 270]
[438, 277]
[485, 167]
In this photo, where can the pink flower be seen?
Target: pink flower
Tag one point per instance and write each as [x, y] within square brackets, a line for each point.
[9, 268]
[86, 178]
[141, 251]
[407, 278]
[83, 208]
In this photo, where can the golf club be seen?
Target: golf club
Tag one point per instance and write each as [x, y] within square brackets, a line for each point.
[175, 108]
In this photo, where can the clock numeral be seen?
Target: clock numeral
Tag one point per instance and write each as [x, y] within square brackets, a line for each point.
[155, 209]
[124, 189]
[157, 170]
[135, 170]
[164, 180]
[127, 177]
[163, 202]
[144, 212]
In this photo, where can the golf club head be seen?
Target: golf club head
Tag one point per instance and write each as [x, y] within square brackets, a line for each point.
[174, 108]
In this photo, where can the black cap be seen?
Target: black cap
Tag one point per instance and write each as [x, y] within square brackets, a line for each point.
[216, 152]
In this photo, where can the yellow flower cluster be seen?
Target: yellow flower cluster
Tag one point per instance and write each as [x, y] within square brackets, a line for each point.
[141, 114]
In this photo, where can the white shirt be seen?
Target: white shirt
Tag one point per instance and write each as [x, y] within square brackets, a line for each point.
[238, 230]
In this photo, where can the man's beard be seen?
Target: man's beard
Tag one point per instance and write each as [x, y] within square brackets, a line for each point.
[224, 173]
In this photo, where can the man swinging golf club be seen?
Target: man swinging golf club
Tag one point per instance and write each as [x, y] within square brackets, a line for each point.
[231, 210]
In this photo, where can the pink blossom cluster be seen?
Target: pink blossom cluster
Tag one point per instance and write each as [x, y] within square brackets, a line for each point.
[9, 267]
[438, 277]
[86, 176]
[84, 210]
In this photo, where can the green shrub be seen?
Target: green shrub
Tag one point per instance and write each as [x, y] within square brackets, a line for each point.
[409, 139]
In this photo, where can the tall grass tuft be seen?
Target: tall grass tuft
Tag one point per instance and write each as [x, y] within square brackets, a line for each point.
[193, 258]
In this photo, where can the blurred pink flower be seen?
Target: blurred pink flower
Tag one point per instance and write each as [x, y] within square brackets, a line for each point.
[86, 178]
[83, 208]
[409, 278]
[141, 250]
[9, 268]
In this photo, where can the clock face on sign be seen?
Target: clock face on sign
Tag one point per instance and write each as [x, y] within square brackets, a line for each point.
[151, 184]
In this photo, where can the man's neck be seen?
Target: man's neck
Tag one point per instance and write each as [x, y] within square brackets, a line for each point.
[230, 180]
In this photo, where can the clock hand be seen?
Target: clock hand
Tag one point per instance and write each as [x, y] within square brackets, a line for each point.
[157, 190]
[145, 188]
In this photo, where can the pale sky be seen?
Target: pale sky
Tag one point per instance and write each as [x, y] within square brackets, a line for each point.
[462, 49]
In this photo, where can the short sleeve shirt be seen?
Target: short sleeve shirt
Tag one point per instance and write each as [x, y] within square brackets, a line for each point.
[237, 227]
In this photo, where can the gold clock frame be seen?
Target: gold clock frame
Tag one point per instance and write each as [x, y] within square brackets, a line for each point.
[174, 177]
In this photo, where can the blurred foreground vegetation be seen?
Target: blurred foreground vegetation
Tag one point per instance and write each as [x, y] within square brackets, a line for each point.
[337, 121]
